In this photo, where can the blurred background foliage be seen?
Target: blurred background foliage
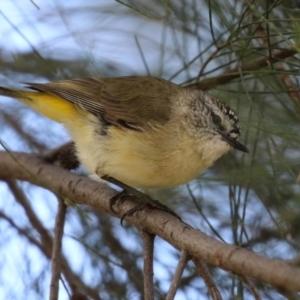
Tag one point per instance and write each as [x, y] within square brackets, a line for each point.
[251, 200]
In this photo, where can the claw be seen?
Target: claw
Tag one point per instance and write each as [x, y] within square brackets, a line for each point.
[113, 201]
[133, 210]
[140, 197]
[121, 197]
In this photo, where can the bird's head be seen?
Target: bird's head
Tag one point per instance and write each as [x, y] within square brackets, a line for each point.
[213, 123]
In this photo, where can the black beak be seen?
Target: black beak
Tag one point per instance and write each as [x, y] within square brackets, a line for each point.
[233, 143]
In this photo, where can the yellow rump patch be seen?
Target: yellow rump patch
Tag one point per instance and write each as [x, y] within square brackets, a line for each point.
[50, 106]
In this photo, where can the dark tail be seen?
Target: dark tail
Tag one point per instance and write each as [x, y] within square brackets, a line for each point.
[10, 92]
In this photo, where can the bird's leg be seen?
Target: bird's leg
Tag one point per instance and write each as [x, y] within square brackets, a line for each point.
[140, 197]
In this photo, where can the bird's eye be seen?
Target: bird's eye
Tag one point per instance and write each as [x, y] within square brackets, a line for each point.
[216, 120]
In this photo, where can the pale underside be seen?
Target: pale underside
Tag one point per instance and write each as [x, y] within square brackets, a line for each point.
[143, 159]
[127, 132]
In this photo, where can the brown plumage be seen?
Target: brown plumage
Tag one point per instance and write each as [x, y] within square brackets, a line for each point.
[124, 100]
[145, 132]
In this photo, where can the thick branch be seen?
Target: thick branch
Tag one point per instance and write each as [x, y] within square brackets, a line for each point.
[82, 190]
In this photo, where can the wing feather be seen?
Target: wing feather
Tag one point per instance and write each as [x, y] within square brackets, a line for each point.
[130, 102]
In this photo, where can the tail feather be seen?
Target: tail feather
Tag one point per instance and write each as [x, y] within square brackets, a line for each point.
[50, 106]
[10, 92]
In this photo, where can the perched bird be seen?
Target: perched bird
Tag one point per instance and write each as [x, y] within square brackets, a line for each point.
[143, 132]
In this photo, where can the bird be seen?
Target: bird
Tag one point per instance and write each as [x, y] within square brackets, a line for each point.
[136, 131]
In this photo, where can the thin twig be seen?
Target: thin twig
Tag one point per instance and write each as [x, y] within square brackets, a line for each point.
[251, 287]
[135, 9]
[148, 243]
[184, 258]
[35, 4]
[142, 55]
[56, 250]
[24, 232]
[22, 35]
[22, 199]
[45, 242]
[16, 124]
[212, 56]
[204, 273]
[245, 69]
[292, 88]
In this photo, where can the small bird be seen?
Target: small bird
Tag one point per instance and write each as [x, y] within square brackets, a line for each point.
[144, 132]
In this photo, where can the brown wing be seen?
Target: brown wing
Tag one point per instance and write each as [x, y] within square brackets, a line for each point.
[130, 102]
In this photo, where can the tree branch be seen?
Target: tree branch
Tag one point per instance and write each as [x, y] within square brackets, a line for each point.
[245, 69]
[204, 273]
[45, 243]
[83, 190]
[148, 249]
[184, 258]
[56, 249]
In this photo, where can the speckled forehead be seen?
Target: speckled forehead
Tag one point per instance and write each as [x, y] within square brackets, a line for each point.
[231, 115]
[229, 112]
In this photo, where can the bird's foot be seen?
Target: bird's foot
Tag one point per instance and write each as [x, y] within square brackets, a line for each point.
[142, 199]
